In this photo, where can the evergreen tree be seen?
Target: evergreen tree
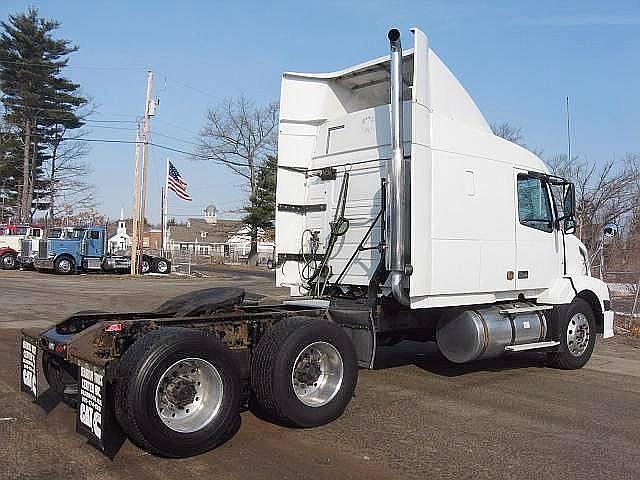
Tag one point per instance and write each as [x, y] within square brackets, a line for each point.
[39, 103]
[261, 211]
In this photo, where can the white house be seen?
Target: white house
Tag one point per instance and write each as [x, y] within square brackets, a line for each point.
[121, 240]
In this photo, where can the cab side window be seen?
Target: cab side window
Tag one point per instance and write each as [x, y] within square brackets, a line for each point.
[534, 209]
[95, 235]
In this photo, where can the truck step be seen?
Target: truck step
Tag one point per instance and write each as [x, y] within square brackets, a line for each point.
[531, 346]
[518, 310]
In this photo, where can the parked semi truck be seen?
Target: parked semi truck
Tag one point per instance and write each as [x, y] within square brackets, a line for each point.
[399, 216]
[23, 240]
[84, 249]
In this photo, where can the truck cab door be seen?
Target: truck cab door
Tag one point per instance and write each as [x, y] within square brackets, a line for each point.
[538, 243]
[93, 243]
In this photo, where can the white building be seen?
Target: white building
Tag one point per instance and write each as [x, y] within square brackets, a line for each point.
[121, 240]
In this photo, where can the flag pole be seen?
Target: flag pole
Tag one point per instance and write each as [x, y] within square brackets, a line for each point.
[165, 207]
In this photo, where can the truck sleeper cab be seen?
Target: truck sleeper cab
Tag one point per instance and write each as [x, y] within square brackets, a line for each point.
[399, 215]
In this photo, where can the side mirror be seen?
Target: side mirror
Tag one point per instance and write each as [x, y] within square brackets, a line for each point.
[569, 209]
[569, 201]
[569, 225]
[610, 230]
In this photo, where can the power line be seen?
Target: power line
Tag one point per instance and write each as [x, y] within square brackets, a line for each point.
[176, 126]
[82, 67]
[109, 121]
[190, 87]
[176, 138]
[164, 147]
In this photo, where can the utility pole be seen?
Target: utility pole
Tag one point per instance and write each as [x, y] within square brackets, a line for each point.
[136, 198]
[146, 135]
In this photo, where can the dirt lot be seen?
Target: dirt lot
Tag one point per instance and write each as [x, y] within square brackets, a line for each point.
[415, 417]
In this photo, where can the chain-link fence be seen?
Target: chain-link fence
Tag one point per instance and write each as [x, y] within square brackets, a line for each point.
[624, 288]
[187, 262]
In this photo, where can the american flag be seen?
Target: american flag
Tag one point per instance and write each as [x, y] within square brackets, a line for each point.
[175, 183]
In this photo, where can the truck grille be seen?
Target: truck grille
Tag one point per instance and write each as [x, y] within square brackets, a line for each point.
[43, 251]
[25, 248]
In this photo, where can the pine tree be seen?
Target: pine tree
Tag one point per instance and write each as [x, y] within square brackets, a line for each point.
[38, 101]
[261, 210]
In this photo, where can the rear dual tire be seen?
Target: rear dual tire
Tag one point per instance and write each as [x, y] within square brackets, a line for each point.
[304, 372]
[161, 265]
[177, 392]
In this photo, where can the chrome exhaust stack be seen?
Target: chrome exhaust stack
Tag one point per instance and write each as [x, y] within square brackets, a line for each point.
[397, 207]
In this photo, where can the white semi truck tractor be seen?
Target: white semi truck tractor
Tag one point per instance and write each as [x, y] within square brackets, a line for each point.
[394, 194]
[399, 216]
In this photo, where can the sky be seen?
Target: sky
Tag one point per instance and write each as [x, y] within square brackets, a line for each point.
[518, 61]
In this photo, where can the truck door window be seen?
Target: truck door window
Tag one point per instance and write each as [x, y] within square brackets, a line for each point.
[95, 234]
[534, 209]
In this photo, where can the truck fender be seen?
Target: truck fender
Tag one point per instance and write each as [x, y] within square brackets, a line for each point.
[593, 290]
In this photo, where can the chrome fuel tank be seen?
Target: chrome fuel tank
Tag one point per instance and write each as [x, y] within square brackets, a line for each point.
[473, 334]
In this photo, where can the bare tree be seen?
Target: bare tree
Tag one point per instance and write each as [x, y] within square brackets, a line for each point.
[508, 132]
[513, 134]
[65, 154]
[241, 136]
[69, 181]
[606, 192]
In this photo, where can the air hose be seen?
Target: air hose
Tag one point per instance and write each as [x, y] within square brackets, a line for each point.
[337, 228]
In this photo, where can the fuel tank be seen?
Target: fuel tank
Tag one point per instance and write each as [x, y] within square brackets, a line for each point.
[478, 333]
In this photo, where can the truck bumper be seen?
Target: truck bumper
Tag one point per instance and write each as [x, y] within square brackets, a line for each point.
[94, 417]
[608, 324]
[43, 263]
[116, 264]
[26, 262]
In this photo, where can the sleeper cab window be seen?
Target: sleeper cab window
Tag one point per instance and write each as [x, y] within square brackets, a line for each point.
[534, 209]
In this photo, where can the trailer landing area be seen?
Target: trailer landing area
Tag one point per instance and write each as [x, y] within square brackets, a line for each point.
[419, 417]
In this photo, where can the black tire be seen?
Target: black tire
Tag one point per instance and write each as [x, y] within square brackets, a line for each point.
[161, 265]
[9, 261]
[64, 265]
[563, 358]
[272, 367]
[140, 371]
[145, 266]
[61, 375]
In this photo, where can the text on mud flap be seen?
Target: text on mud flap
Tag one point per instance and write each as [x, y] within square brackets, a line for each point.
[91, 401]
[29, 376]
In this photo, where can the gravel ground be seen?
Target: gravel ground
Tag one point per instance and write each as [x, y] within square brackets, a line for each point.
[417, 416]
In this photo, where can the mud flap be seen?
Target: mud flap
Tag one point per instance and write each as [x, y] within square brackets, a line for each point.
[29, 367]
[95, 419]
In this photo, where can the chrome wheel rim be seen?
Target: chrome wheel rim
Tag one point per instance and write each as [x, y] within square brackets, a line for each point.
[64, 265]
[578, 334]
[145, 266]
[9, 261]
[162, 266]
[189, 395]
[317, 374]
